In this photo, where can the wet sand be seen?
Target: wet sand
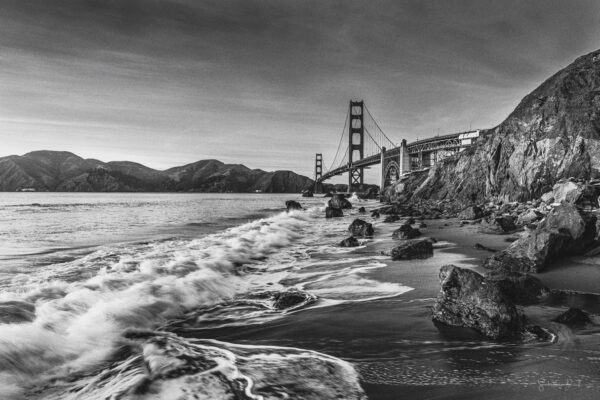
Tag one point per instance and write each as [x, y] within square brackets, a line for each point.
[401, 354]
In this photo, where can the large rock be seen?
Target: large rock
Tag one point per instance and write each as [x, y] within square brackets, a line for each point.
[567, 191]
[574, 316]
[360, 228]
[412, 249]
[307, 193]
[339, 201]
[333, 212]
[499, 225]
[470, 213]
[553, 133]
[565, 230]
[467, 299]
[292, 205]
[406, 232]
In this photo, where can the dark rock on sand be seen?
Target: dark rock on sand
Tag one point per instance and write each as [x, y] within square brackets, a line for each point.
[539, 333]
[467, 299]
[339, 201]
[375, 214]
[333, 212]
[411, 249]
[470, 213]
[360, 228]
[307, 193]
[499, 225]
[349, 242]
[292, 205]
[362, 210]
[565, 230]
[406, 232]
[574, 316]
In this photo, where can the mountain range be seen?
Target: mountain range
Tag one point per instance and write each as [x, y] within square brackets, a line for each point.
[66, 172]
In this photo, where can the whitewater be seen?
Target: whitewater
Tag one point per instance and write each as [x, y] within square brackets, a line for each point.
[115, 296]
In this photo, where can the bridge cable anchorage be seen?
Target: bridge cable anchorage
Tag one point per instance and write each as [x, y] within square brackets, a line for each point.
[333, 163]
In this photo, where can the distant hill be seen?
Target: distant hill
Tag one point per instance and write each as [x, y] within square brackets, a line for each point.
[66, 172]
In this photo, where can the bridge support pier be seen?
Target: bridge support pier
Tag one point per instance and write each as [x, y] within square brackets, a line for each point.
[318, 187]
[382, 163]
[404, 161]
[357, 143]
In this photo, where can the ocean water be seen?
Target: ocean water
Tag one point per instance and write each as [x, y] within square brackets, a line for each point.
[227, 296]
[96, 289]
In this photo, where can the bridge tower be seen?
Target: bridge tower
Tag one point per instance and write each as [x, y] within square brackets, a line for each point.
[318, 173]
[356, 135]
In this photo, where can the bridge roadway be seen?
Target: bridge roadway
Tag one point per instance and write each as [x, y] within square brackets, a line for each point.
[452, 143]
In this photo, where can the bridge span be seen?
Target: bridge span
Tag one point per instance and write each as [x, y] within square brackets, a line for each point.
[368, 145]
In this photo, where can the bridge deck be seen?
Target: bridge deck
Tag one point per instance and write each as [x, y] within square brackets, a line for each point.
[450, 141]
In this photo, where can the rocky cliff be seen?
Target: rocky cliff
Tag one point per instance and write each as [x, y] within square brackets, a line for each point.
[64, 171]
[553, 133]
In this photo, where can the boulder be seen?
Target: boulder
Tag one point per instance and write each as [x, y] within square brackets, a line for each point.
[467, 299]
[470, 213]
[339, 201]
[573, 316]
[292, 205]
[406, 232]
[499, 225]
[375, 214]
[350, 241]
[567, 191]
[548, 197]
[360, 228]
[362, 210]
[307, 193]
[411, 249]
[565, 230]
[333, 212]
[479, 246]
[529, 217]
[518, 287]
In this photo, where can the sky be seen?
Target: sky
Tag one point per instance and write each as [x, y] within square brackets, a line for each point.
[267, 83]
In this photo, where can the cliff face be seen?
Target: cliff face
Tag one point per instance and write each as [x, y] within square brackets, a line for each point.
[553, 133]
[64, 171]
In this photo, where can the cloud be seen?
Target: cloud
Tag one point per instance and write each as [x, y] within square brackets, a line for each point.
[267, 82]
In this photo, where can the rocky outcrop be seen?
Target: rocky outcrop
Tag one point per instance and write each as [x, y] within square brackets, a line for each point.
[360, 228]
[467, 299]
[565, 230]
[412, 249]
[291, 205]
[307, 193]
[553, 133]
